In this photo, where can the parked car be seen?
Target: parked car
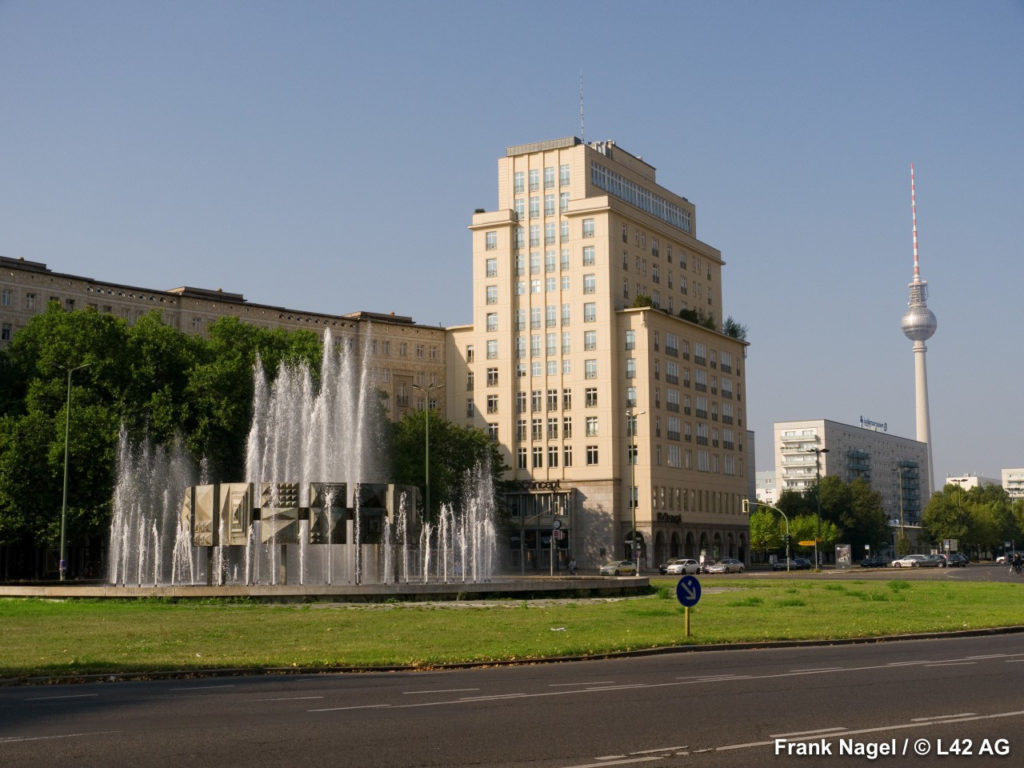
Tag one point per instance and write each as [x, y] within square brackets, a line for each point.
[619, 568]
[938, 561]
[1007, 558]
[957, 560]
[795, 564]
[875, 561]
[726, 565]
[680, 565]
[916, 561]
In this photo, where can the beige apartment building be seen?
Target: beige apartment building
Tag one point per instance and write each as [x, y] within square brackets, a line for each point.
[607, 412]
[408, 360]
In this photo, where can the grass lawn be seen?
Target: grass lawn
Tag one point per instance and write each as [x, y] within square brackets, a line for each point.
[77, 637]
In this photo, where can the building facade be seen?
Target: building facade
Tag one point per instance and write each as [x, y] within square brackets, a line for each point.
[406, 359]
[894, 466]
[624, 423]
[1013, 482]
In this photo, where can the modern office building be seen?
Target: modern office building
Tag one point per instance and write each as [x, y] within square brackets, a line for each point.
[623, 422]
[406, 358]
[767, 491]
[968, 481]
[895, 467]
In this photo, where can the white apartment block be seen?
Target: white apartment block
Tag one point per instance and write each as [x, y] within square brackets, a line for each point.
[767, 491]
[406, 358]
[895, 467]
[606, 412]
[968, 481]
[1013, 482]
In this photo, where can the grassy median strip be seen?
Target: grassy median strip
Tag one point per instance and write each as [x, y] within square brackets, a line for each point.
[77, 637]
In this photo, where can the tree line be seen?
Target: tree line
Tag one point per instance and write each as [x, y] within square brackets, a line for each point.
[160, 383]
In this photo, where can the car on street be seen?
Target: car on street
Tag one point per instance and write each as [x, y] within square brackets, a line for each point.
[875, 561]
[795, 564]
[956, 560]
[726, 565]
[680, 565]
[915, 561]
[619, 568]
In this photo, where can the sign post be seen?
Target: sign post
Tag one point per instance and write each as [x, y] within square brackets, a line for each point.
[688, 594]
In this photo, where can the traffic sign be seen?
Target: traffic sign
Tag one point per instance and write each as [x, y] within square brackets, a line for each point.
[688, 591]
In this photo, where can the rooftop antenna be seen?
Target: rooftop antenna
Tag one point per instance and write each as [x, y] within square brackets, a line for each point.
[913, 216]
[583, 135]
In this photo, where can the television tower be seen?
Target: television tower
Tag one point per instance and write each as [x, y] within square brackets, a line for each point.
[919, 325]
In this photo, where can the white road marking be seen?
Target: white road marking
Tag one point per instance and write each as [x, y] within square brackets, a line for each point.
[68, 696]
[438, 690]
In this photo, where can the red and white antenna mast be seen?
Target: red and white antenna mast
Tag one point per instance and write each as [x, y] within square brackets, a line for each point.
[913, 213]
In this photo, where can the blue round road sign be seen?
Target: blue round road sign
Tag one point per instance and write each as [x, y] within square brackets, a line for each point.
[688, 591]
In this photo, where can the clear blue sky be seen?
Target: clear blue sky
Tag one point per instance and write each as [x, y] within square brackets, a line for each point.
[296, 151]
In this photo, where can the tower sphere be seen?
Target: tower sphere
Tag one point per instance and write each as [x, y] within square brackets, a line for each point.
[919, 323]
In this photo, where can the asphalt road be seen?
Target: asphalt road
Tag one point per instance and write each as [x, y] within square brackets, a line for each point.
[710, 708]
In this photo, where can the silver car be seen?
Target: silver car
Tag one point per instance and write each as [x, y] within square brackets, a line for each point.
[682, 565]
[726, 565]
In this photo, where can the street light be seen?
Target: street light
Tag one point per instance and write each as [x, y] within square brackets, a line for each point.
[817, 475]
[631, 427]
[899, 473]
[64, 503]
[427, 389]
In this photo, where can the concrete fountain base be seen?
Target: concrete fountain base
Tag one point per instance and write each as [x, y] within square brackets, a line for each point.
[506, 587]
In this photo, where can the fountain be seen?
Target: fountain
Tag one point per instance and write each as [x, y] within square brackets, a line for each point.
[313, 509]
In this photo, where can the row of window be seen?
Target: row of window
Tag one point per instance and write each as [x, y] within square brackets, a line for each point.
[553, 452]
[533, 177]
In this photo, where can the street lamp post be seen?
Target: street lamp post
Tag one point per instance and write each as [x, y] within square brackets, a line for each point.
[64, 502]
[427, 390]
[631, 426]
[899, 475]
[817, 492]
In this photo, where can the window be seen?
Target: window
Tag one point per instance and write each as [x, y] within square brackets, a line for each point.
[563, 202]
[589, 312]
[538, 456]
[630, 368]
[520, 237]
[469, 408]
[536, 400]
[492, 432]
[492, 377]
[551, 316]
[674, 458]
[535, 318]
[6, 332]
[549, 261]
[492, 321]
[591, 455]
[492, 294]
[567, 456]
[520, 458]
[631, 397]
[537, 429]
[492, 403]
[566, 343]
[534, 207]
[589, 340]
[590, 397]
[5, 297]
[567, 427]
[588, 227]
[535, 285]
[469, 351]
[590, 283]
[564, 259]
[491, 241]
[534, 179]
[518, 180]
[566, 314]
[549, 176]
[520, 429]
[534, 235]
[520, 402]
[588, 256]
[492, 267]
[469, 380]
[630, 340]
[30, 301]
[549, 205]
[492, 349]
[520, 343]
[566, 399]
[520, 208]
[552, 399]
[535, 345]
[553, 428]
[552, 455]
[590, 369]
[563, 175]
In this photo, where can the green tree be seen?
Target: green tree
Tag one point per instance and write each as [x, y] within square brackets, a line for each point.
[454, 451]
[764, 531]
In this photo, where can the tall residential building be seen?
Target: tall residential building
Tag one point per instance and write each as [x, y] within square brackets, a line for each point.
[894, 466]
[606, 411]
[1013, 482]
